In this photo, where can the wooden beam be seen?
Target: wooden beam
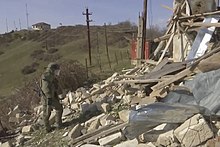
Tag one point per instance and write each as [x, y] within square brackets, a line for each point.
[201, 24]
[199, 15]
[176, 77]
[165, 37]
[161, 64]
[147, 81]
[90, 137]
[185, 72]
[166, 48]
[167, 7]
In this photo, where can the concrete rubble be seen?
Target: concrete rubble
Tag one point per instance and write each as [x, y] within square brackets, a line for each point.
[107, 105]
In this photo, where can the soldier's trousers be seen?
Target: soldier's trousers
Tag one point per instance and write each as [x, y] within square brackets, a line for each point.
[47, 112]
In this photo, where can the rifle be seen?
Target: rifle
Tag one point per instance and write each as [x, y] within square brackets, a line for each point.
[39, 90]
[40, 93]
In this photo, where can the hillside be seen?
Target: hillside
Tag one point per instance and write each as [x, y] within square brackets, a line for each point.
[24, 54]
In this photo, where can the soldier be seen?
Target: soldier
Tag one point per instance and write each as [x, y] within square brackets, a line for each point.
[50, 99]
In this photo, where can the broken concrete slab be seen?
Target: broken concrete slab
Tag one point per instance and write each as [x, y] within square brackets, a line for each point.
[20, 140]
[194, 131]
[75, 132]
[107, 119]
[90, 145]
[111, 139]
[105, 107]
[66, 112]
[146, 145]
[94, 125]
[166, 139]
[129, 143]
[75, 106]
[147, 100]
[7, 144]
[124, 115]
[88, 122]
[27, 129]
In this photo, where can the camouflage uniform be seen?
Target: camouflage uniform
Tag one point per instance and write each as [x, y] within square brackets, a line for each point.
[50, 99]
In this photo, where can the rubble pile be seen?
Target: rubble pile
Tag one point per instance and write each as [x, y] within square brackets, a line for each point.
[171, 102]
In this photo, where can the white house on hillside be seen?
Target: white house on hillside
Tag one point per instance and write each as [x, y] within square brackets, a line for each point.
[41, 26]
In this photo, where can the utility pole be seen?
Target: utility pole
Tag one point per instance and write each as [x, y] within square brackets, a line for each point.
[88, 31]
[27, 17]
[106, 45]
[15, 26]
[20, 23]
[6, 25]
[144, 15]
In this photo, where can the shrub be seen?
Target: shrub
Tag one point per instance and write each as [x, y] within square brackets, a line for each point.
[52, 50]
[28, 70]
[1, 52]
[38, 54]
[72, 75]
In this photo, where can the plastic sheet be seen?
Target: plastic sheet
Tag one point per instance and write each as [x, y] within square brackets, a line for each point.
[152, 115]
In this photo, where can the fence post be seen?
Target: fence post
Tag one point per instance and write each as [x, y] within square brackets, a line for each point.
[87, 71]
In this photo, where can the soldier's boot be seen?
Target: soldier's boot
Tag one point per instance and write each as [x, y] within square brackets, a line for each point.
[59, 123]
[46, 116]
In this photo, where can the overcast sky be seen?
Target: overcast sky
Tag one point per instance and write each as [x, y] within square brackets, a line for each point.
[69, 12]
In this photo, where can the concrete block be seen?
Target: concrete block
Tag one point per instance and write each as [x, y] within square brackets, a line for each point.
[129, 143]
[147, 100]
[7, 144]
[194, 131]
[143, 145]
[75, 132]
[111, 139]
[20, 140]
[94, 125]
[124, 115]
[66, 112]
[90, 145]
[167, 138]
[105, 107]
[88, 122]
[27, 129]
[74, 106]
[127, 99]
[107, 119]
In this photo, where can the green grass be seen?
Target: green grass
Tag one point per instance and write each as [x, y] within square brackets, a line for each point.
[17, 55]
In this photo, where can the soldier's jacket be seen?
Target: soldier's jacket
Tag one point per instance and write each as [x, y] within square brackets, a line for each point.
[49, 85]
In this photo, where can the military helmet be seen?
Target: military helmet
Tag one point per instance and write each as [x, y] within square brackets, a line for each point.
[53, 66]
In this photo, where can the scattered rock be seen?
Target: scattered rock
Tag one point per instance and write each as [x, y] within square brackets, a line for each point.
[7, 144]
[124, 115]
[27, 129]
[194, 131]
[94, 125]
[129, 143]
[66, 112]
[111, 139]
[75, 132]
[107, 119]
[105, 107]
